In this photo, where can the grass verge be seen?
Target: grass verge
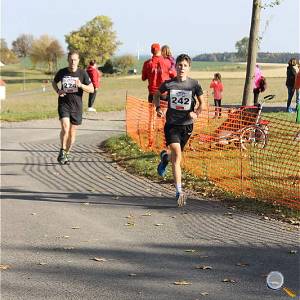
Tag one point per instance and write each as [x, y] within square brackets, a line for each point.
[128, 154]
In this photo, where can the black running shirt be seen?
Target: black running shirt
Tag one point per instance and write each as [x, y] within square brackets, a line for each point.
[73, 97]
[181, 99]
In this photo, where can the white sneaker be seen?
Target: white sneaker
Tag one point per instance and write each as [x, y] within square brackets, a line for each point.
[91, 109]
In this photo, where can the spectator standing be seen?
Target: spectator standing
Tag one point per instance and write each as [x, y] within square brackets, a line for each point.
[95, 76]
[169, 59]
[290, 82]
[256, 83]
[297, 88]
[155, 71]
[217, 86]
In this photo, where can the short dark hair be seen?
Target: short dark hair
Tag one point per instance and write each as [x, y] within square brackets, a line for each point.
[93, 62]
[183, 57]
[71, 52]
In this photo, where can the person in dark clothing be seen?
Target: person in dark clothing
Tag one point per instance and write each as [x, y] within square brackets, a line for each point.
[74, 81]
[290, 82]
[185, 103]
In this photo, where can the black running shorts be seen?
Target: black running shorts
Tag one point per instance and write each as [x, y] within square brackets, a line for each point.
[65, 112]
[178, 134]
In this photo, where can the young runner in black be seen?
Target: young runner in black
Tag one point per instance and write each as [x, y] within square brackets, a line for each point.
[74, 82]
[185, 103]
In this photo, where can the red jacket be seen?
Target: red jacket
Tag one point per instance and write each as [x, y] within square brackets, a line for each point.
[156, 71]
[297, 81]
[95, 75]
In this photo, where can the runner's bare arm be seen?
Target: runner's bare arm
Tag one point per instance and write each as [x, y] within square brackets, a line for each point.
[198, 108]
[200, 105]
[86, 88]
[60, 92]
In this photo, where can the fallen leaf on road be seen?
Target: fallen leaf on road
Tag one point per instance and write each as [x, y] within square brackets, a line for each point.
[242, 264]
[129, 216]
[204, 294]
[129, 224]
[42, 263]
[173, 217]
[63, 237]
[4, 267]
[100, 259]
[182, 282]
[109, 177]
[203, 267]
[190, 250]
[228, 214]
[146, 215]
[75, 227]
[33, 214]
[158, 224]
[229, 280]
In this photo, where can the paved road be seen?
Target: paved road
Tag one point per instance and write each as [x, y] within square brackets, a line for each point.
[56, 219]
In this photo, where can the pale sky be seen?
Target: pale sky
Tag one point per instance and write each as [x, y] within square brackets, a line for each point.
[191, 26]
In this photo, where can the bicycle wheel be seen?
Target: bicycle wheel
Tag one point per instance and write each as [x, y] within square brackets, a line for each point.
[253, 137]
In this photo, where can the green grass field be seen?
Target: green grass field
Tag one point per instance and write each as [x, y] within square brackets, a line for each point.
[26, 99]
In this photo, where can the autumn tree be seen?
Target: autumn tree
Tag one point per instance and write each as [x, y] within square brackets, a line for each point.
[95, 40]
[254, 40]
[242, 48]
[46, 50]
[22, 45]
[6, 55]
[125, 62]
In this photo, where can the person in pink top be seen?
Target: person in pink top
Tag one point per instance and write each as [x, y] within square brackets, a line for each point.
[217, 86]
[256, 83]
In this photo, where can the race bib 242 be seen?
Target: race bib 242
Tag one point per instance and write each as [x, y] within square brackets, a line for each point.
[180, 99]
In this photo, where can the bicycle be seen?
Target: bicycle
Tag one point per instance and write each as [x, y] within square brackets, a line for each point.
[256, 135]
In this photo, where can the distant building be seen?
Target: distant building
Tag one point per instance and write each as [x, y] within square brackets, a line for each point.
[2, 90]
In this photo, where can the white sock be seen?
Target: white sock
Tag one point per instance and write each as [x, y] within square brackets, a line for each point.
[178, 188]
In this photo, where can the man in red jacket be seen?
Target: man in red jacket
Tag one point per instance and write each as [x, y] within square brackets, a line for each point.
[95, 75]
[156, 71]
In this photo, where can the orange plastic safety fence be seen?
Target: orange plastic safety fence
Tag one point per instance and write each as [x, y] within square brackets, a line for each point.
[235, 148]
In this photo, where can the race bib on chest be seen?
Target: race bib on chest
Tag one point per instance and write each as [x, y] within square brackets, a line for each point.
[180, 99]
[69, 84]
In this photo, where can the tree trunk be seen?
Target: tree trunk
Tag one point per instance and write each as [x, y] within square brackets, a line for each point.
[252, 52]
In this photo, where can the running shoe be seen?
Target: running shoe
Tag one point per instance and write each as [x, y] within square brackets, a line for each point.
[62, 158]
[181, 199]
[67, 156]
[164, 160]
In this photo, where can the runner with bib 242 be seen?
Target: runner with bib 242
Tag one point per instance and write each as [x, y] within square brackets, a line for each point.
[185, 103]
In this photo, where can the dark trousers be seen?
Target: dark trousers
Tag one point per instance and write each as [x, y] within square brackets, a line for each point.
[218, 107]
[291, 92]
[92, 97]
[256, 94]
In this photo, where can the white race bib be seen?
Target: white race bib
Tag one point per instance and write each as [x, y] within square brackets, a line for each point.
[180, 99]
[69, 84]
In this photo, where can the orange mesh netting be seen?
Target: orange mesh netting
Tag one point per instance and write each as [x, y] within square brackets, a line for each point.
[238, 151]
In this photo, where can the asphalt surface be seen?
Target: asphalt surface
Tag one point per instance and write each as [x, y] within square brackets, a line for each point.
[56, 220]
